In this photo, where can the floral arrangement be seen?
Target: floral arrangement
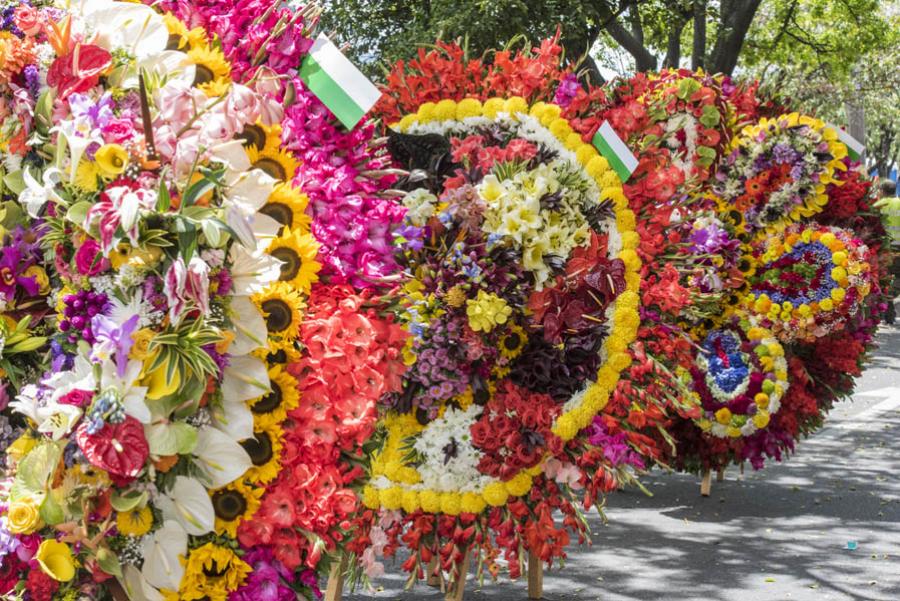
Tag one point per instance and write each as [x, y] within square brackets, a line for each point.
[778, 170]
[740, 376]
[166, 451]
[811, 282]
[523, 279]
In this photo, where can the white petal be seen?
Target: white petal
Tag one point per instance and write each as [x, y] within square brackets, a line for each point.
[249, 326]
[220, 457]
[234, 419]
[137, 587]
[252, 272]
[162, 567]
[188, 503]
[244, 379]
[251, 190]
[232, 154]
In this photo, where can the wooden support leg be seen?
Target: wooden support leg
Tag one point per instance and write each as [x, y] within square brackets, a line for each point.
[535, 576]
[742, 469]
[720, 475]
[457, 587]
[335, 590]
[433, 577]
[706, 484]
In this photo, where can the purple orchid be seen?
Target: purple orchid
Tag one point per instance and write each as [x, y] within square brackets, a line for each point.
[12, 268]
[113, 339]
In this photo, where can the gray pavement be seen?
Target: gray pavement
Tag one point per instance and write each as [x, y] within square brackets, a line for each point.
[781, 534]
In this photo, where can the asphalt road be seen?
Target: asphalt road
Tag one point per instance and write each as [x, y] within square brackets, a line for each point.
[781, 534]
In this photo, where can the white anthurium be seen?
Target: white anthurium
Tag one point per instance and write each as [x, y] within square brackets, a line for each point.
[136, 28]
[36, 194]
[245, 378]
[137, 587]
[170, 63]
[234, 419]
[252, 272]
[162, 556]
[249, 327]
[247, 192]
[220, 457]
[241, 225]
[132, 396]
[231, 154]
[188, 503]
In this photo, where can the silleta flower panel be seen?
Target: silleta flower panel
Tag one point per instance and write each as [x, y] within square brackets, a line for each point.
[521, 282]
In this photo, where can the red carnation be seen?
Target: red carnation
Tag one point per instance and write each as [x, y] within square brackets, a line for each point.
[120, 449]
[78, 71]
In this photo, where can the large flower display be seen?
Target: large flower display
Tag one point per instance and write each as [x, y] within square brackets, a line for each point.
[196, 431]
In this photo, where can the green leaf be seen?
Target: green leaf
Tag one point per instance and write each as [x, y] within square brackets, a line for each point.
[15, 181]
[196, 191]
[128, 500]
[52, 512]
[163, 200]
[109, 563]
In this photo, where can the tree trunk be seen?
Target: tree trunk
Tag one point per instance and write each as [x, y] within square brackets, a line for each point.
[643, 58]
[698, 55]
[736, 17]
[673, 49]
[592, 75]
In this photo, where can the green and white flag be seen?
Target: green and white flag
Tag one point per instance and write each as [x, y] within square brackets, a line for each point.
[854, 147]
[337, 82]
[611, 146]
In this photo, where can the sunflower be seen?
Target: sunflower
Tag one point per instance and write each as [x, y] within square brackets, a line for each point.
[136, 522]
[233, 504]
[212, 572]
[180, 36]
[282, 307]
[287, 205]
[264, 137]
[264, 449]
[512, 342]
[212, 68]
[297, 253]
[274, 160]
[274, 406]
[278, 353]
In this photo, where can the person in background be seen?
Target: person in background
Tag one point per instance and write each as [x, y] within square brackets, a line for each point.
[889, 205]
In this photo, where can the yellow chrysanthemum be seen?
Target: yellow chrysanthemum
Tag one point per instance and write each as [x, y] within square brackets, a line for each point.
[212, 70]
[212, 572]
[265, 452]
[287, 205]
[275, 161]
[282, 307]
[297, 253]
[86, 176]
[136, 522]
[233, 504]
[274, 406]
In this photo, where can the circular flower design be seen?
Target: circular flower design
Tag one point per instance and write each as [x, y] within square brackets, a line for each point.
[739, 376]
[809, 282]
[778, 170]
[521, 303]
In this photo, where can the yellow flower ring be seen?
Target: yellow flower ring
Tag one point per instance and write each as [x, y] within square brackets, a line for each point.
[395, 483]
[808, 281]
[778, 170]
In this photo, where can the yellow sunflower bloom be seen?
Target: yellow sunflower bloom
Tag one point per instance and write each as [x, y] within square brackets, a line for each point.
[287, 205]
[274, 406]
[297, 253]
[265, 452]
[233, 504]
[212, 572]
[282, 307]
[136, 522]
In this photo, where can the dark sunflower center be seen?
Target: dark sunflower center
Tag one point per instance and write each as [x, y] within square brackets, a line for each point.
[290, 263]
[271, 167]
[259, 448]
[253, 135]
[215, 570]
[202, 75]
[278, 356]
[281, 213]
[229, 504]
[174, 42]
[279, 315]
[270, 402]
[512, 342]
[744, 265]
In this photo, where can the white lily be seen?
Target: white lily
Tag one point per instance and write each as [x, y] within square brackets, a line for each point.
[248, 191]
[80, 377]
[231, 154]
[136, 586]
[220, 457]
[132, 396]
[76, 142]
[124, 26]
[36, 194]
[162, 551]
[188, 503]
[244, 379]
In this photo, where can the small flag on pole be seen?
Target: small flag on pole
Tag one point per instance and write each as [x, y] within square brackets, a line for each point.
[337, 82]
[854, 148]
[611, 146]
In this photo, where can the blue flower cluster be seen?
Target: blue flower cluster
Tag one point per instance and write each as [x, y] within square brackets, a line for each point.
[727, 364]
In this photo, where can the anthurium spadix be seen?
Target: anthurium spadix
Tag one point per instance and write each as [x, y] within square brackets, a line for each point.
[189, 505]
